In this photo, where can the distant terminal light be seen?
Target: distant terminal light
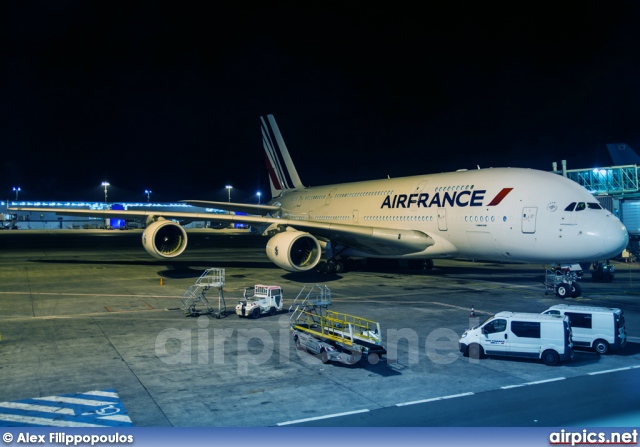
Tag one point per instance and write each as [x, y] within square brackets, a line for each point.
[103, 206]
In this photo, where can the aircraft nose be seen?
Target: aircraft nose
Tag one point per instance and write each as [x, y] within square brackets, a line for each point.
[615, 237]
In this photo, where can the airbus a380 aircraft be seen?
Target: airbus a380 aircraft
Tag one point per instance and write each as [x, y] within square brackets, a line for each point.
[496, 214]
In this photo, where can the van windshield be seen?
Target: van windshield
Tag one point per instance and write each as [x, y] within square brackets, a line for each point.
[484, 322]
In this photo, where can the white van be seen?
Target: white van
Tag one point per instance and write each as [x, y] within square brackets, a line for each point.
[599, 328]
[546, 337]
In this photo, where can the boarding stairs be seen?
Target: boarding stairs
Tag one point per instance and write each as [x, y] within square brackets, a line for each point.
[211, 278]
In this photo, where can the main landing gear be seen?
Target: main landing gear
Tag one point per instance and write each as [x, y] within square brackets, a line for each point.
[343, 265]
[563, 280]
[332, 266]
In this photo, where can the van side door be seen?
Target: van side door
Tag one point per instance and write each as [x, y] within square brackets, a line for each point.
[494, 337]
[525, 339]
[581, 328]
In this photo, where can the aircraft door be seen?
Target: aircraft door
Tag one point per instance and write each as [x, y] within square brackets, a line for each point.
[529, 219]
[421, 186]
[330, 196]
[442, 219]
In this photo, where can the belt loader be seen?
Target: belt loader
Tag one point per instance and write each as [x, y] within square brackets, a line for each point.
[332, 336]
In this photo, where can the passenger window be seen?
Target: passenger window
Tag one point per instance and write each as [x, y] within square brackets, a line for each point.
[579, 320]
[571, 206]
[526, 329]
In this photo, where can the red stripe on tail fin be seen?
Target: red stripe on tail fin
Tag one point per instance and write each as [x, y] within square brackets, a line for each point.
[272, 174]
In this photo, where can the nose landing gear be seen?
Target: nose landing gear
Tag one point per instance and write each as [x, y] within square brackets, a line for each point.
[563, 280]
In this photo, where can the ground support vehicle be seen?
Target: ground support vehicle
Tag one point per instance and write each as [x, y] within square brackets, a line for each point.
[603, 272]
[260, 300]
[333, 336]
[212, 277]
[563, 281]
[599, 328]
[519, 334]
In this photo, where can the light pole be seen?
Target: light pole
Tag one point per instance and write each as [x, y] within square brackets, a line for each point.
[229, 191]
[17, 190]
[148, 193]
[105, 184]
[259, 195]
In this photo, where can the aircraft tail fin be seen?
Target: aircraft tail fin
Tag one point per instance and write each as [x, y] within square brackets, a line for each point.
[282, 172]
[622, 155]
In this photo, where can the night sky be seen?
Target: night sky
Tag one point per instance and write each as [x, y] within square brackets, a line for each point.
[167, 96]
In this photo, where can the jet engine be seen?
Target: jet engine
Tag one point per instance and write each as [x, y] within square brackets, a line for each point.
[164, 239]
[294, 251]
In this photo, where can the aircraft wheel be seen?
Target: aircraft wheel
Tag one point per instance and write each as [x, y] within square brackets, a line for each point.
[563, 290]
[576, 290]
[322, 267]
[338, 267]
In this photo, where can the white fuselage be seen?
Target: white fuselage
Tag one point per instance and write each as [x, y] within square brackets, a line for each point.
[501, 214]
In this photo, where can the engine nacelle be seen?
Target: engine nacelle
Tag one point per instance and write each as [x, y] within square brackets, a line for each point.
[294, 251]
[164, 239]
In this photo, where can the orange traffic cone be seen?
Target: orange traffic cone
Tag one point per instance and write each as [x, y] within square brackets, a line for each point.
[161, 282]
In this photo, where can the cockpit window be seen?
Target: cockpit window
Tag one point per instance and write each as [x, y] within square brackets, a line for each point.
[573, 206]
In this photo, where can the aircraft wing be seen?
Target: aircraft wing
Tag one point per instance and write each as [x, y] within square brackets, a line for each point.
[371, 240]
[235, 207]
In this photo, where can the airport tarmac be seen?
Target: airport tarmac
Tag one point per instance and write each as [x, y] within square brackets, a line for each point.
[84, 311]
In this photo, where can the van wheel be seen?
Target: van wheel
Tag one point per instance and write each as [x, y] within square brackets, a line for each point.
[550, 357]
[601, 346]
[255, 313]
[563, 290]
[299, 346]
[324, 357]
[475, 351]
[272, 311]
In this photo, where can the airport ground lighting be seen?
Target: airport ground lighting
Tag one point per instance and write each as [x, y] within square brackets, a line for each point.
[16, 189]
[229, 191]
[259, 195]
[148, 193]
[105, 184]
